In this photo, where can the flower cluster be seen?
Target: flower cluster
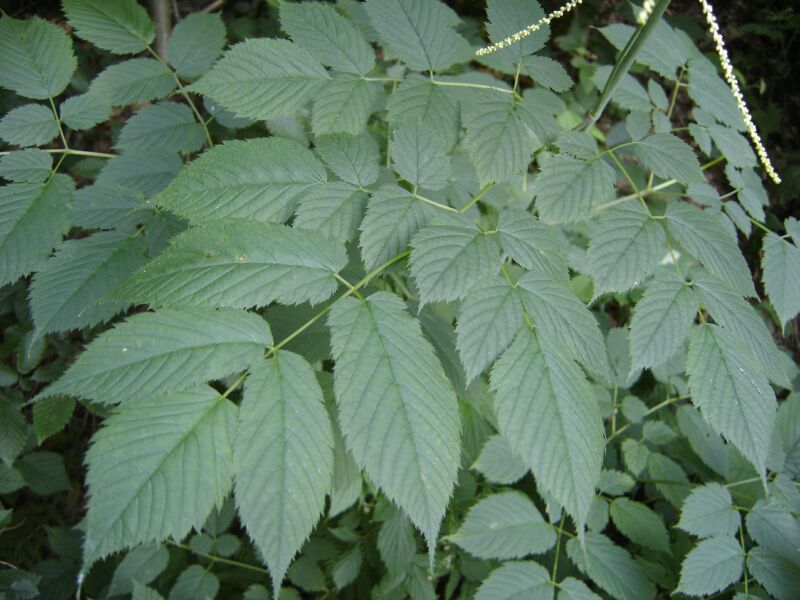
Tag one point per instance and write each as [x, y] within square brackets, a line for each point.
[647, 10]
[727, 69]
[513, 39]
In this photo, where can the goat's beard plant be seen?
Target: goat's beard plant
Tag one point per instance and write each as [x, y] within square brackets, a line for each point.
[428, 335]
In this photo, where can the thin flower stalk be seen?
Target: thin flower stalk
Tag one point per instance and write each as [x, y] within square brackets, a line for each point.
[533, 27]
[727, 69]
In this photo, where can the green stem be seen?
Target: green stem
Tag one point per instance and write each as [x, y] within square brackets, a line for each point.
[69, 151]
[674, 97]
[478, 86]
[219, 559]
[349, 286]
[434, 203]
[58, 122]
[558, 551]
[625, 60]
[655, 409]
[476, 197]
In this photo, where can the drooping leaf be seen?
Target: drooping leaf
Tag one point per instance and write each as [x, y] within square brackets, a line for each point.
[396, 542]
[625, 247]
[729, 387]
[546, 410]
[449, 256]
[332, 38]
[239, 263]
[708, 512]
[504, 526]
[119, 26]
[713, 565]
[259, 179]
[155, 353]
[396, 407]
[517, 580]
[610, 567]
[702, 234]
[63, 292]
[561, 316]
[33, 218]
[420, 32]
[196, 43]
[488, 319]
[263, 78]
[566, 188]
[188, 440]
[661, 321]
[36, 57]
[781, 266]
[283, 455]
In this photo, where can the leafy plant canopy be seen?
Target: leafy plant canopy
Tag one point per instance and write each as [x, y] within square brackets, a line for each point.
[352, 311]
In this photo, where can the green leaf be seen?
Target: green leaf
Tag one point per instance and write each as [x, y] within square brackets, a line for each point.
[640, 524]
[610, 567]
[661, 321]
[36, 57]
[672, 480]
[772, 527]
[420, 32]
[531, 243]
[498, 141]
[145, 172]
[343, 105]
[393, 215]
[259, 179]
[63, 292]
[547, 412]
[152, 353]
[703, 235]
[488, 319]
[781, 266]
[729, 387]
[141, 564]
[263, 78]
[195, 44]
[283, 454]
[737, 316]
[733, 145]
[353, 159]
[566, 188]
[522, 579]
[712, 94]
[708, 511]
[635, 455]
[504, 526]
[713, 565]
[166, 125]
[142, 592]
[33, 218]
[44, 472]
[396, 407]
[119, 26]
[418, 157]
[669, 157]
[630, 94]
[239, 263]
[28, 125]
[14, 432]
[26, 166]
[505, 18]
[195, 582]
[449, 256]
[561, 316]
[329, 36]
[625, 247]
[86, 110]
[662, 51]
[547, 72]
[333, 209]
[704, 441]
[396, 542]
[575, 589]
[50, 415]
[347, 568]
[498, 464]
[188, 448]
[133, 81]
[418, 99]
[778, 575]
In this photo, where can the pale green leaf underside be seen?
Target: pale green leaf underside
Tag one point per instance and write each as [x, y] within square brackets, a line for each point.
[263, 78]
[546, 410]
[781, 266]
[729, 387]
[283, 454]
[153, 353]
[517, 580]
[708, 511]
[63, 292]
[239, 263]
[119, 26]
[397, 410]
[711, 566]
[260, 179]
[504, 526]
[182, 437]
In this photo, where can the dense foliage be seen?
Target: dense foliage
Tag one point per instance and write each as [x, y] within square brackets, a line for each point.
[393, 320]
